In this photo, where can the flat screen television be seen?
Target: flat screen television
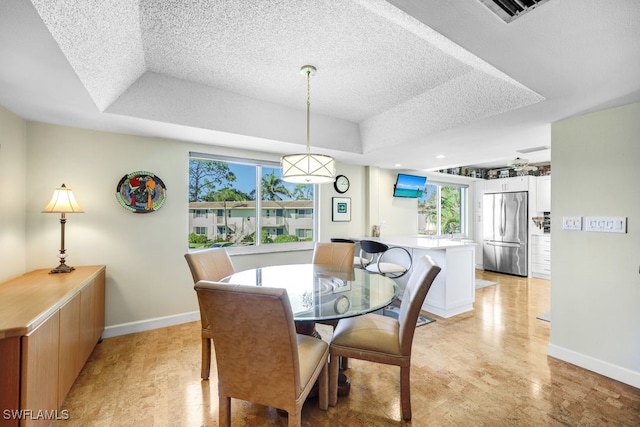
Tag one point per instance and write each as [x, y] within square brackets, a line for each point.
[409, 186]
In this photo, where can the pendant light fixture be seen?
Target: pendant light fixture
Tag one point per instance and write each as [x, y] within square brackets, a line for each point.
[308, 168]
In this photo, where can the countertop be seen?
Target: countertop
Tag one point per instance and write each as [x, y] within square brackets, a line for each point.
[421, 242]
[27, 301]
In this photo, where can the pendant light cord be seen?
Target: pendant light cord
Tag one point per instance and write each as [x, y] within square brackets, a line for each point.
[308, 108]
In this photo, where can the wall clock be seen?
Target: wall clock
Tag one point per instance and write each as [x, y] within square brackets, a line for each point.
[341, 305]
[341, 184]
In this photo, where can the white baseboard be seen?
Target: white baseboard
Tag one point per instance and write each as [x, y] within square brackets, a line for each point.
[149, 324]
[607, 369]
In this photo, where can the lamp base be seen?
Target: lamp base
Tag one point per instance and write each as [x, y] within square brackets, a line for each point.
[62, 268]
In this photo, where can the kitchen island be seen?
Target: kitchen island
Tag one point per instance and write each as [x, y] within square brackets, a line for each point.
[453, 291]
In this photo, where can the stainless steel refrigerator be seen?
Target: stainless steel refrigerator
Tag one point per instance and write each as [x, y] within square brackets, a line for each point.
[505, 232]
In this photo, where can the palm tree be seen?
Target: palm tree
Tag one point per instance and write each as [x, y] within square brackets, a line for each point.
[273, 188]
[303, 192]
[450, 210]
[227, 195]
[429, 208]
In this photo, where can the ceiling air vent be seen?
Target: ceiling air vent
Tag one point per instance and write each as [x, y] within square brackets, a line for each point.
[508, 10]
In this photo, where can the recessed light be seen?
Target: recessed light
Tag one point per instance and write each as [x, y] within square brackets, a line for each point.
[398, 165]
[440, 156]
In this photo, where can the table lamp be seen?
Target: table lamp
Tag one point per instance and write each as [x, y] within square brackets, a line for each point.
[62, 202]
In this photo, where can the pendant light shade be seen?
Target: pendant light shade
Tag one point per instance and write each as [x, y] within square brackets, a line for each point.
[308, 168]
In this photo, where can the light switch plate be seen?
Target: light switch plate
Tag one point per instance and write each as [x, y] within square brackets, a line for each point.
[573, 223]
[606, 224]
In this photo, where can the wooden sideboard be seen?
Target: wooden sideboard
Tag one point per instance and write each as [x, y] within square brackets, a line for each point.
[49, 325]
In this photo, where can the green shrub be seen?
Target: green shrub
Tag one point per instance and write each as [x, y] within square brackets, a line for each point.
[284, 238]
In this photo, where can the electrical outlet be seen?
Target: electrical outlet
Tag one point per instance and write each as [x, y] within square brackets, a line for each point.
[572, 223]
[606, 224]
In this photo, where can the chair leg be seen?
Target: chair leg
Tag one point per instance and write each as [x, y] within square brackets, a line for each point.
[323, 388]
[344, 363]
[334, 364]
[295, 420]
[405, 392]
[206, 358]
[224, 409]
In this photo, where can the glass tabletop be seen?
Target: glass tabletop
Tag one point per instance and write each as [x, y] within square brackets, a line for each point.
[322, 292]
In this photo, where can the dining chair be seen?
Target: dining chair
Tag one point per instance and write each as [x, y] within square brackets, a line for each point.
[259, 356]
[208, 264]
[383, 339]
[358, 260]
[380, 256]
[339, 255]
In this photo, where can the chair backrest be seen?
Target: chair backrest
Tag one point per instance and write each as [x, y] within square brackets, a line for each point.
[373, 247]
[209, 264]
[339, 255]
[341, 240]
[424, 273]
[255, 343]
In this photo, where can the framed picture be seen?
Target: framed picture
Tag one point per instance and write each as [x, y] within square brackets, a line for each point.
[341, 209]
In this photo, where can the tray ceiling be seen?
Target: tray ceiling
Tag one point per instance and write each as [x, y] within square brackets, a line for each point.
[227, 72]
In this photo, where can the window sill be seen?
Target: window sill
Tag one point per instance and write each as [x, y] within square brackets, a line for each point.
[270, 248]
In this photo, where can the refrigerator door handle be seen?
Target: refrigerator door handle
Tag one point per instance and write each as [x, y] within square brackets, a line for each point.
[504, 244]
[503, 217]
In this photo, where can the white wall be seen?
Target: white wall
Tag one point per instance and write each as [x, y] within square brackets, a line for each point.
[595, 281]
[396, 216]
[147, 276]
[356, 227]
[13, 193]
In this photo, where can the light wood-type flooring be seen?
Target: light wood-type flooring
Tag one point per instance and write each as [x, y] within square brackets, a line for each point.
[488, 367]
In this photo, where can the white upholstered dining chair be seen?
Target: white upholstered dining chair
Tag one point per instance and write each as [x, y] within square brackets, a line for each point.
[379, 261]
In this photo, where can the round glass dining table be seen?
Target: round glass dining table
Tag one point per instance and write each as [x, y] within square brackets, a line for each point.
[322, 293]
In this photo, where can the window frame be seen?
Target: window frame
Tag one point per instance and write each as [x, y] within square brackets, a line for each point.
[259, 247]
[464, 220]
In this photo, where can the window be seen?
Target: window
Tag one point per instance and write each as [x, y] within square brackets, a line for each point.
[200, 213]
[441, 210]
[304, 233]
[200, 230]
[244, 196]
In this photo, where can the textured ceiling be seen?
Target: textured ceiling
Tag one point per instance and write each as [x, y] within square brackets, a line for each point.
[392, 86]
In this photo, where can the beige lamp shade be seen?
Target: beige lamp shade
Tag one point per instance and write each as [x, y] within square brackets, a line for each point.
[63, 201]
[308, 168]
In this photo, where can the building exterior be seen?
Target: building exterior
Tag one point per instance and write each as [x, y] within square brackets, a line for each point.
[235, 222]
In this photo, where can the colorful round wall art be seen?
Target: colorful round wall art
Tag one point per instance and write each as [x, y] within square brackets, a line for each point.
[141, 192]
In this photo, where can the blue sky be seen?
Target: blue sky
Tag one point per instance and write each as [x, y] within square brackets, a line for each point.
[246, 178]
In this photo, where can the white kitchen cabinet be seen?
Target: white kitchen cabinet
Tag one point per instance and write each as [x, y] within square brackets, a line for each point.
[501, 185]
[543, 194]
[541, 256]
